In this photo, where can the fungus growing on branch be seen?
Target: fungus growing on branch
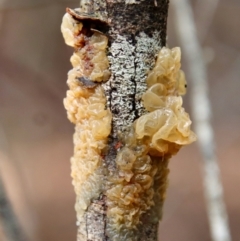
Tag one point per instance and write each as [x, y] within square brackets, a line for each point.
[120, 161]
[140, 182]
[85, 105]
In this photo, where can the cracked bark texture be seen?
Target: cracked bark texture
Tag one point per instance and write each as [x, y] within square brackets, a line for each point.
[137, 31]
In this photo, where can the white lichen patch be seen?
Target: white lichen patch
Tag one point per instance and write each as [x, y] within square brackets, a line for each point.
[145, 51]
[85, 104]
[132, 1]
[121, 87]
[140, 181]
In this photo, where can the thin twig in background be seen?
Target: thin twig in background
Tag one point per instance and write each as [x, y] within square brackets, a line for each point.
[8, 219]
[205, 13]
[201, 114]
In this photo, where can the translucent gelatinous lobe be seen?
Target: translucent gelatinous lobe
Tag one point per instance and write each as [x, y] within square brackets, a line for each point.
[167, 122]
[85, 104]
[139, 185]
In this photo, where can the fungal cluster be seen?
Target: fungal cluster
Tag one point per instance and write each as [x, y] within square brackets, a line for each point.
[131, 188]
[167, 124]
[86, 108]
[138, 187]
[90, 49]
[135, 189]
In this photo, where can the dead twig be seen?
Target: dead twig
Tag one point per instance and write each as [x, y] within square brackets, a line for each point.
[201, 114]
[7, 217]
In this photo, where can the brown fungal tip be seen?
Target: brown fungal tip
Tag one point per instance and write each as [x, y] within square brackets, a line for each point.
[90, 16]
[87, 83]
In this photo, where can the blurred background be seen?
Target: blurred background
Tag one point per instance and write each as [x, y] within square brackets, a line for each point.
[36, 137]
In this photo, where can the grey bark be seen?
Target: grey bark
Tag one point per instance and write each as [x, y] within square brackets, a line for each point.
[137, 30]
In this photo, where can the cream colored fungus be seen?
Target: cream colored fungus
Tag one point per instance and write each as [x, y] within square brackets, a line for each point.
[85, 104]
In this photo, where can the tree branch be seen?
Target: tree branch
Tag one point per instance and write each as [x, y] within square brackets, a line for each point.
[125, 99]
[8, 218]
[201, 114]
